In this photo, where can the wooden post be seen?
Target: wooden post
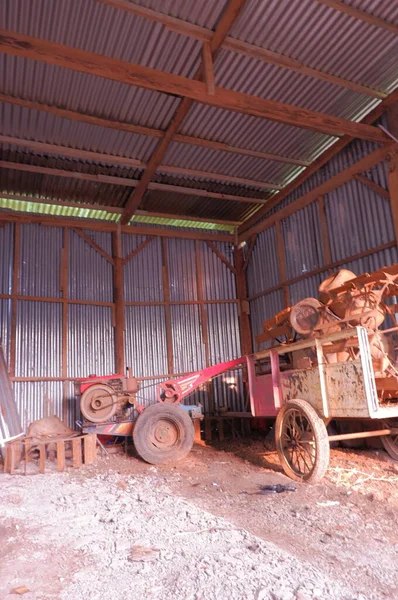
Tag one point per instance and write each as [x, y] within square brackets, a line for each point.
[244, 311]
[282, 261]
[393, 185]
[327, 255]
[166, 292]
[14, 302]
[65, 307]
[118, 300]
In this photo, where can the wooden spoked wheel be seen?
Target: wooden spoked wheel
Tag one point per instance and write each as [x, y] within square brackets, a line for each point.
[390, 442]
[302, 441]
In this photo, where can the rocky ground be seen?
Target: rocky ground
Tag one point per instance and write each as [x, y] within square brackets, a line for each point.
[196, 530]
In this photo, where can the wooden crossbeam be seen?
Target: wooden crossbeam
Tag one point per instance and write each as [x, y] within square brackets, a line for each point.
[94, 245]
[246, 228]
[240, 47]
[208, 69]
[137, 250]
[132, 162]
[221, 256]
[230, 14]
[373, 185]
[357, 13]
[156, 133]
[124, 181]
[116, 70]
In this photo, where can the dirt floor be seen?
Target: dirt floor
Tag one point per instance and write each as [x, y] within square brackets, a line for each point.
[197, 530]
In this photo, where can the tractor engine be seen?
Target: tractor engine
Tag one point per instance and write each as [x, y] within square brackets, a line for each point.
[102, 398]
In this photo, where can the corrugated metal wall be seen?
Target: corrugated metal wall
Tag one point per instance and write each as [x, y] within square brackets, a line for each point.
[90, 315]
[358, 219]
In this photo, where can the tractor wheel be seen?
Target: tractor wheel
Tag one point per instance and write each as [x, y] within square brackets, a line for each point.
[390, 442]
[302, 441]
[98, 403]
[163, 433]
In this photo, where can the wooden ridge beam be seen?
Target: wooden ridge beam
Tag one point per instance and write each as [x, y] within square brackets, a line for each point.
[230, 14]
[156, 133]
[88, 224]
[124, 181]
[240, 47]
[113, 69]
[132, 162]
[246, 228]
[357, 13]
[334, 182]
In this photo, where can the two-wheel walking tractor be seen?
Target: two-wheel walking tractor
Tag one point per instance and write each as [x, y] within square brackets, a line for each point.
[327, 361]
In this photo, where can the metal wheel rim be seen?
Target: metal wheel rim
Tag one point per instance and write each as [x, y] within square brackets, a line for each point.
[298, 442]
[165, 434]
[390, 423]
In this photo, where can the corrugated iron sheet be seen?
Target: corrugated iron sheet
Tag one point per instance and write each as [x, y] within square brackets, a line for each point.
[6, 254]
[188, 347]
[182, 270]
[38, 339]
[5, 327]
[40, 261]
[302, 241]
[264, 308]
[145, 341]
[307, 288]
[90, 341]
[142, 274]
[90, 275]
[41, 399]
[218, 281]
[263, 269]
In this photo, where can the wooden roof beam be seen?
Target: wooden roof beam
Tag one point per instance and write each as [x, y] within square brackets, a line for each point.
[126, 182]
[191, 90]
[357, 13]
[240, 47]
[156, 133]
[229, 16]
[133, 163]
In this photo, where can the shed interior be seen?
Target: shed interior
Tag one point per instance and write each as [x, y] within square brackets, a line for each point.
[174, 173]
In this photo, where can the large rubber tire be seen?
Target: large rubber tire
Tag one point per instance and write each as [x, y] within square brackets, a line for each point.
[390, 442]
[163, 433]
[302, 441]
[98, 403]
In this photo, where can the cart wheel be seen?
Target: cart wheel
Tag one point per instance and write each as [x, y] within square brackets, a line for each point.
[98, 403]
[163, 433]
[390, 442]
[302, 441]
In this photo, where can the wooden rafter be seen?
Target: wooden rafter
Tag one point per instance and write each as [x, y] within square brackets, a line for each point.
[240, 47]
[126, 182]
[156, 133]
[133, 163]
[227, 19]
[246, 228]
[334, 182]
[357, 13]
[144, 77]
[208, 70]
[221, 256]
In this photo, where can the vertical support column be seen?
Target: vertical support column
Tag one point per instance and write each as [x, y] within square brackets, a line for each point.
[282, 261]
[327, 255]
[118, 299]
[14, 301]
[205, 331]
[166, 292]
[65, 307]
[393, 185]
[241, 290]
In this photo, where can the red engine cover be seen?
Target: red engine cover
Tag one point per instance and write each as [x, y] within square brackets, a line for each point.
[85, 382]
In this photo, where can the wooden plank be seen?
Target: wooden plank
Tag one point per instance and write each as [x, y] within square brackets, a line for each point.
[235, 45]
[282, 261]
[94, 245]
[118, 298]
[334, 182]
[89, 224]
[246, 227]
[60, 456]
[157, 133]
[221, 256]
[361, 15]
[373, 186]
[208, 70]
[252, 243]
[241, 290]
[166, 293]
[14, 302]
[137, 250]
[42, 459]
[77, 452]
[90, 448]
[393, 186]
[197, 434]
[327, 255]
[116, 70]
[123, 161]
